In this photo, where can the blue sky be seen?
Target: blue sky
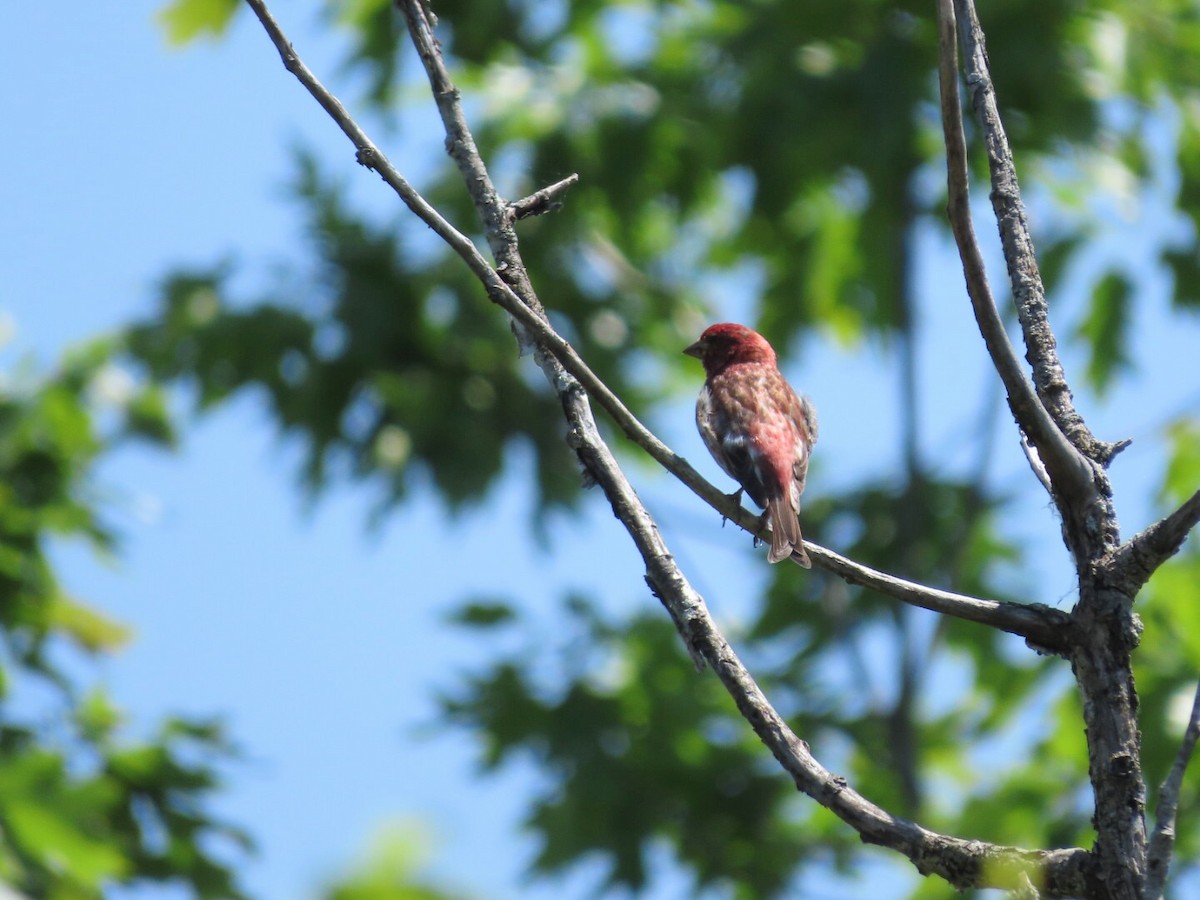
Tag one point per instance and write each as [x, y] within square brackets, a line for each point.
[320, 641]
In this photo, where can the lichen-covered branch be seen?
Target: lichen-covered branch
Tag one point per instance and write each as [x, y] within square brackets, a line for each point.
[1105, 631]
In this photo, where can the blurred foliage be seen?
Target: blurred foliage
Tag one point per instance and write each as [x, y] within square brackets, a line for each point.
[712, 142]
[636, 749]
[84, 807]
[1105, 328]
[794, 148]
[632, 713]
[186, 20]
[378, 366]
[391, 870]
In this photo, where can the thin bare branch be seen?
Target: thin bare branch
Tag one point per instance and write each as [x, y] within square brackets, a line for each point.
[962, 863]
[1044, 628]
[493, 212]
[543, 201]
[369, 155]
[1162, 841]
[1139, 557]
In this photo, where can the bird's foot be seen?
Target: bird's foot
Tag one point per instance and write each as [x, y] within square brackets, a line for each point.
[736, 497]
[762, 523]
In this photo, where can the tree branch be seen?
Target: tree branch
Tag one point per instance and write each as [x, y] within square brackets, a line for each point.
[962, 863]
[1024, 274]
[1105, 630]
[1044, 628]
[1139, 557]
[543, 201]
[1162, 841]
[1068, 470]
[370, 156]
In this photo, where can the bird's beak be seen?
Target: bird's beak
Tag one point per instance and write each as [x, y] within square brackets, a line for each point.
[696, 349]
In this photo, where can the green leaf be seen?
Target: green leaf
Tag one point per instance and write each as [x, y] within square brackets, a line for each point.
[60, 845]
[1105, 329]
[147, 416]
[392, 868]
[146, 766]
[89, 628]
[483, 614]
[69, 827]
[1183, 470]
[1185, 268]
[185, 20]
[97, 716]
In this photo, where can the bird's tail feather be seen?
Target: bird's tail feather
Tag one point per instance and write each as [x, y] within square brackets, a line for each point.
[785, 533]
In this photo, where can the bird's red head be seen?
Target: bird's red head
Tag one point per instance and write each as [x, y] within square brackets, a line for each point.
[727, 344]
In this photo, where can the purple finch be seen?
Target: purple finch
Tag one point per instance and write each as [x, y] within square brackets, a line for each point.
[757, 428]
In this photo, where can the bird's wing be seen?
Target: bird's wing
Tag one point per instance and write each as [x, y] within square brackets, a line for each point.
[732, 447]
[809, 415]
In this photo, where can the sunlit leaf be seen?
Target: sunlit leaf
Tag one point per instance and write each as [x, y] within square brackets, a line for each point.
[183, 21]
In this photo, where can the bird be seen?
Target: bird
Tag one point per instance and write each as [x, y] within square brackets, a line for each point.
[757, 428]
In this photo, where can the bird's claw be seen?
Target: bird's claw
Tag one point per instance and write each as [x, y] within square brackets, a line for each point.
[736, 498]
[762, 523]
